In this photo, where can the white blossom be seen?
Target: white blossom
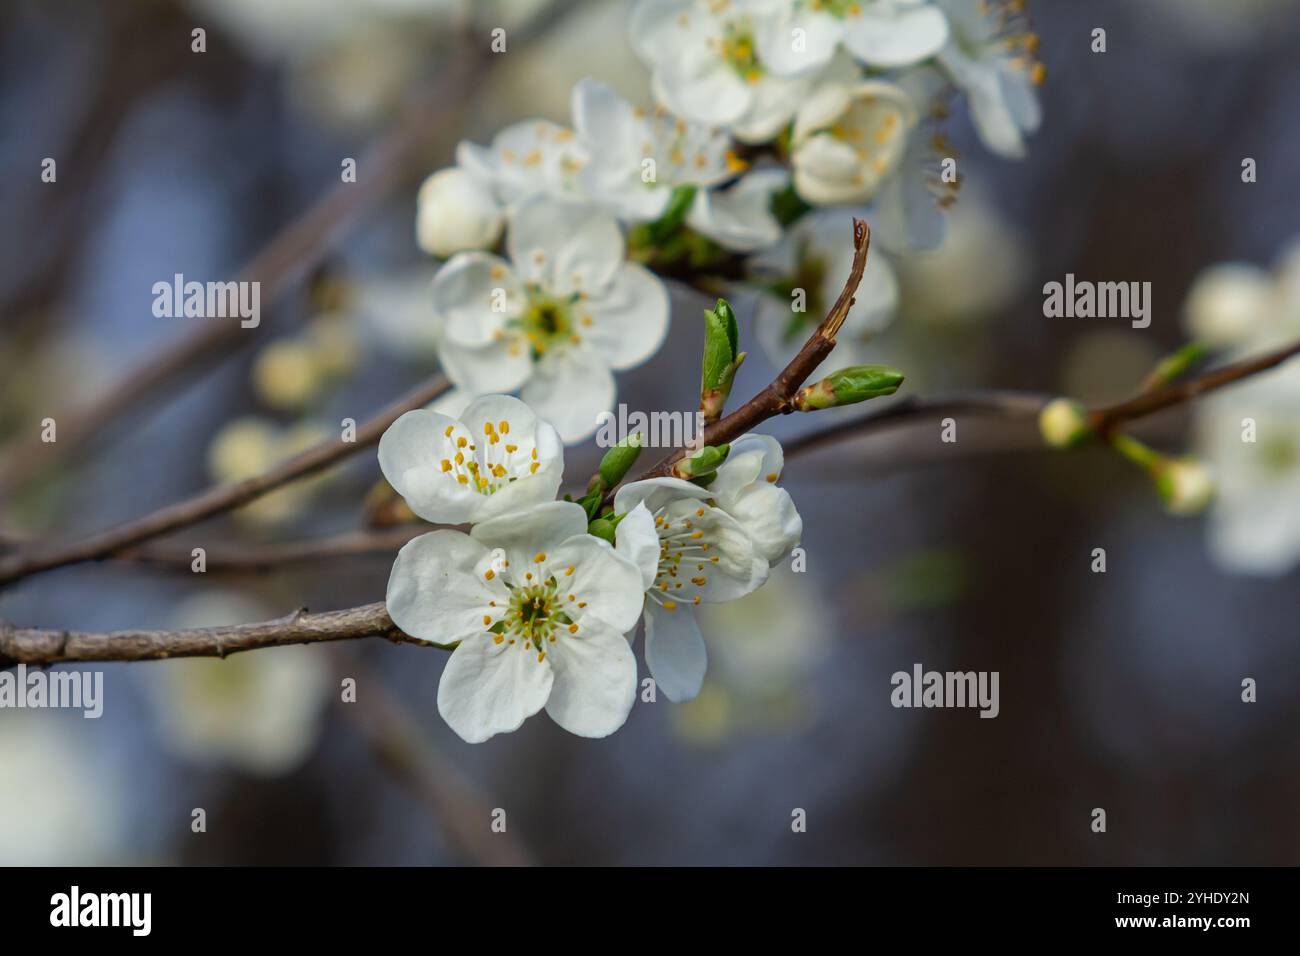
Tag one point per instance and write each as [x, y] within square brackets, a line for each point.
[496, 457]
[555, 319]
[848, 138]
[707, 67]
[455, 213]
[991, 56]
[688, 552]
[537, 609]
[885, 34]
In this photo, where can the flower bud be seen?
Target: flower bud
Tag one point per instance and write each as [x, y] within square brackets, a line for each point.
[455, 213]
[1185, 485]
[1064, 423]
[721, 359]
[619, 460]
[704, 463]
[605, 528]
[848, 386]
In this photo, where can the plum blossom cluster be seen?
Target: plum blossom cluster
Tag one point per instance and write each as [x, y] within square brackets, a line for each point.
[764, 113]
[540, 600]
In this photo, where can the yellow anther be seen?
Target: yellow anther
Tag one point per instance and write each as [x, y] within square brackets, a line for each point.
[503, 427]
[539, 557]
[568, 571]
[573, 629]
[461, 441]
[446, 465]
[489, 574]
[486, 620]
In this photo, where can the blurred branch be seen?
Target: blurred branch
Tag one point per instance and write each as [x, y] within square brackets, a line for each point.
[393, 732]
[1149, 401]
[297, 247]
[998, 404]
[216, 500]
[271, 557]
[42, 646]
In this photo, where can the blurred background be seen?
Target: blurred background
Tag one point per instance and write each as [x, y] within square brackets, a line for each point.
[1119, 690]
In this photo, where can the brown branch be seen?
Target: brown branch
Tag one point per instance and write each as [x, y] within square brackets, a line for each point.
[1105, 420]
[1025, 406]
[216, 500]
[777, 398]
[41, 646]
[999, 404]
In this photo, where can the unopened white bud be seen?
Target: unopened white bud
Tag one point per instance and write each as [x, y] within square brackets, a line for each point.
[456, 213]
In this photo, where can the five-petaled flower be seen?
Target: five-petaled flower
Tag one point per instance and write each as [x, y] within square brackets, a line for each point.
[556, 319]
[699, 545]
[537, 608]
[707, 66]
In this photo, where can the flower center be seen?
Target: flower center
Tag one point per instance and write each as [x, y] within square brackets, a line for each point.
[499, 463]
[548, 320]
[738, 51]
[539, 610]
[684, 559]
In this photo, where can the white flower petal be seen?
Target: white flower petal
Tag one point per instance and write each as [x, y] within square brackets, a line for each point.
[570, 387]
[773, 102]
[768, 515]
[474, 294]
[437, 590]
[564, 245]
[595, 681]
[655, 493]
[709, 92]
[522, 534]
[740, 218]
[674, 651]
[410, 456]
[637, 540]
[481, 370]
[489, 688]
[821, 33]
[630, 320]
[900, 39]
[606, 581]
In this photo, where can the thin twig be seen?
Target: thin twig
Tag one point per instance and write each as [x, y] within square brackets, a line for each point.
[998, 404]
[216, 500]
[777, 398]
[1105, 420]
[243, 558]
